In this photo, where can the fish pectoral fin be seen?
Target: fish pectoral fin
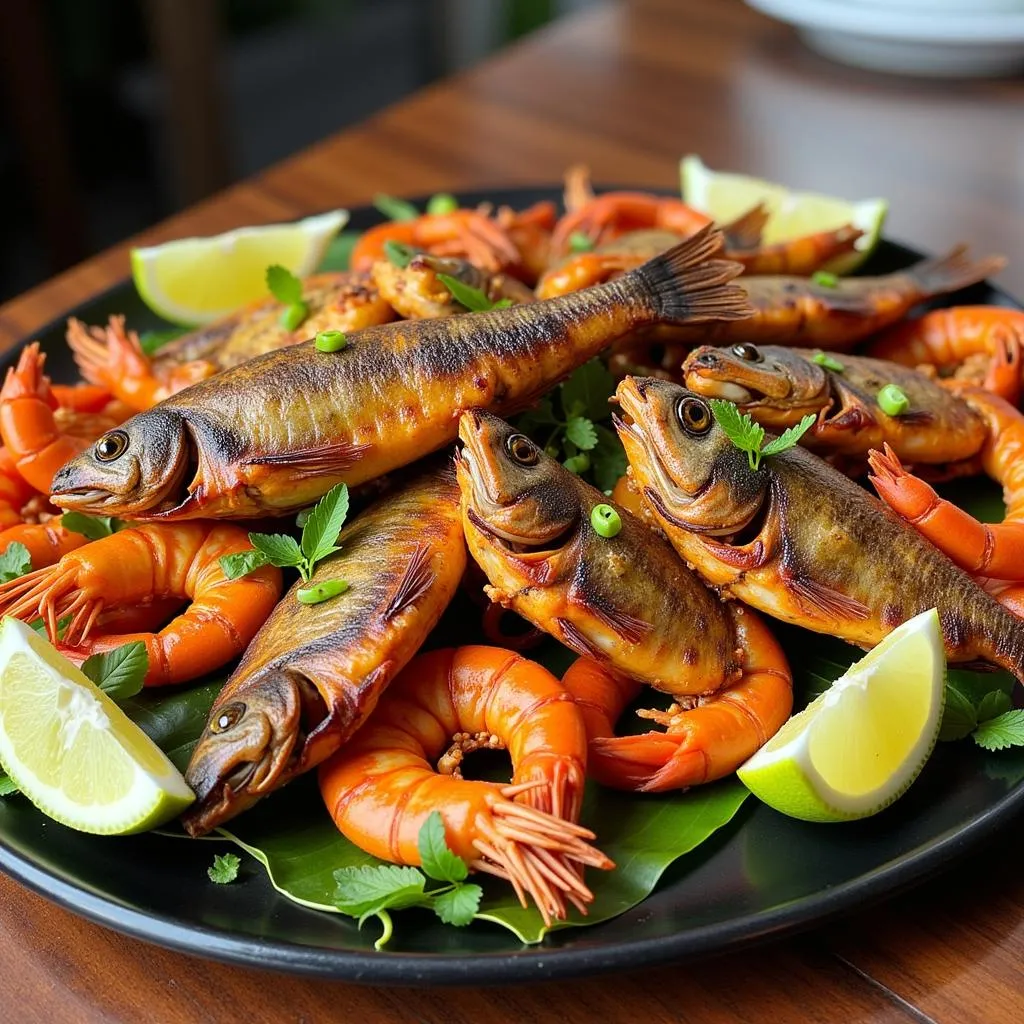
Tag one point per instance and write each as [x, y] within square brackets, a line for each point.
[576, 641]
[749, 556]
[415, 582]
[314, 461]
[823, 599]
[628, 627]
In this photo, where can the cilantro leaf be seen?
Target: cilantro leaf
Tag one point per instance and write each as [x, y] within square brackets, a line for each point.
[992, 705]
[7, 786]
[284, 285]
[93, 527]
[790, 436]
[394, 208]
[587, 391]
[541, 415]
[241, 563]
[608, 459]
[120, 673]
[368, 890]
[579, 242]
[438, 860]
[744, 433]
[398, 254]
[14, 562]
[457, 906]
[224, 868]
[581, 432]
[1005, 730]
[323, 524]
[466, 295]
[278, 548]
[959, 718]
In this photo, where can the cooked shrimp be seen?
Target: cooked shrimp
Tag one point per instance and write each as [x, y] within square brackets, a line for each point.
[530, 232]
[46, 542]
[991, 550]
[30, 425]
[466, 233]
[144, 565]
[15, 492]
[381, 786]
[706, 738]
[960, 340]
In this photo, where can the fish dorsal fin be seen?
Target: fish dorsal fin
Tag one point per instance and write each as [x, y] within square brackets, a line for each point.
[415, 582]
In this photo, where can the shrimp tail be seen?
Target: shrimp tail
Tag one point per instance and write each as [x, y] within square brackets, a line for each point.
[746, 230]
[953, 271]
[685, 284]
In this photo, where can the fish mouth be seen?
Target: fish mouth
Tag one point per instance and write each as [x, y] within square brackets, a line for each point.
[711, 373]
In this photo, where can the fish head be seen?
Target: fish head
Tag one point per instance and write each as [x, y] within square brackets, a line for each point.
[753, 377]
[245, 748]
[512, 492]
[684, 462]
[142, 466]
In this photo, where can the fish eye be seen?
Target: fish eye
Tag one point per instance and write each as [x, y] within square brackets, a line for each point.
[227, 717]
[111, 446]
[694, 415]
[748, 352]
[522, 450]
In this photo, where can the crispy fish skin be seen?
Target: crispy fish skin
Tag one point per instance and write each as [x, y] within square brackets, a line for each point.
[795, 538]
[277, 432]
[627, 601]
[778, 386]
[797, 311]
[314, 673]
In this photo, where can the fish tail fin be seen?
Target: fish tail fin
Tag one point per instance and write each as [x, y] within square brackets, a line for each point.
[953, 271]
[685, 284]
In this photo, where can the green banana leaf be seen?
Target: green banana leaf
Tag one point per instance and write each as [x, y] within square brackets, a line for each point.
[296, 842]
[174, 720]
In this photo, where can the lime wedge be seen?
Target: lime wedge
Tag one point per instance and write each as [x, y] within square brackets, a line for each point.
[72, 751]
[859, 745]
[196, 280]
[725, 196]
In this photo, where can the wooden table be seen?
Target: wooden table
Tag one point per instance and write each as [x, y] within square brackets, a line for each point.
[628, 88]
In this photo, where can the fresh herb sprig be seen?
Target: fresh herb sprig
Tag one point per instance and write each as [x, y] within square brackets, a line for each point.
[119, 673]
[986, 716]
[394, 208]
[374, 891]
[748, 436]
[92, 527]
[474, 299]
[224, 868]
[287, 289]
[320, 528]
[570, 426]
[14, 562]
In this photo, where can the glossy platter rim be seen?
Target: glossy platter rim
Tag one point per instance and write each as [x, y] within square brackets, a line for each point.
[531, 963]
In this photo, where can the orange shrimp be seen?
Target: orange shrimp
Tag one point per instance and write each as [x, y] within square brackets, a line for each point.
[529, 231]
[46, 543]
[962, 340]
[706, 737]
[381, 786]
[112, 357]
[614, 213]
[32, 431]
[144, 565]
[15, 492]
[466, 233]
[983, 549]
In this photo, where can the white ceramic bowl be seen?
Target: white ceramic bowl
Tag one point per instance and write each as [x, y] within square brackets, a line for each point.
[898, 36]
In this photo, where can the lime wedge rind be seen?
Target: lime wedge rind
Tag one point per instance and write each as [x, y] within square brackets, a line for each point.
[196, 280]
[51, 715]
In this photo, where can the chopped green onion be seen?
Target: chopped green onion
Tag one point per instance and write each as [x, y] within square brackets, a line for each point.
[577, 463]
[322, 591]
[824, 279]
[442, 203]
[395, 209]
[579, 242]
[330, 341]
[605, 521]
[892, 400]
[398, 253]
[292, 316]
[824, 359]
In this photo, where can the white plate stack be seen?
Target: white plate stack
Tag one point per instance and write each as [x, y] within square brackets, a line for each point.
[937, 38]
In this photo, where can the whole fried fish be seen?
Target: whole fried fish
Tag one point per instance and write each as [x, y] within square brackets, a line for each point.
[795, 538]
[314, 673]
[778, 386]
[628, 601]
[277, 432]
[806, 312]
